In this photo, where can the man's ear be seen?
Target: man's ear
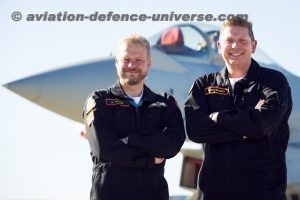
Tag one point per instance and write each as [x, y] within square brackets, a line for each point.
[116, 61]
[253, 44]
[219, 47]
[149, 62]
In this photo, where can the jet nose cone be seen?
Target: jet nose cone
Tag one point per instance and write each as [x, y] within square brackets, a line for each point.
[26, 88]
[64, 91]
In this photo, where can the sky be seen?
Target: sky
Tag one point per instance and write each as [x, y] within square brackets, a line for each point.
[42, 155]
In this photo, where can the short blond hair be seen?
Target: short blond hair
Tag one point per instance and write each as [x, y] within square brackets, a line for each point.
[238, 21]
[135, 39]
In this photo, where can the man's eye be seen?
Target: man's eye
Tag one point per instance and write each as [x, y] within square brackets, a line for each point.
[243, 41]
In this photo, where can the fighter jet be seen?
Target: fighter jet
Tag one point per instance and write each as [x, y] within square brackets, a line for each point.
[180, 54]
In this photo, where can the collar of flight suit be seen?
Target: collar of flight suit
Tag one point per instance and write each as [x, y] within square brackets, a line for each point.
[250, 78]
[118, 91]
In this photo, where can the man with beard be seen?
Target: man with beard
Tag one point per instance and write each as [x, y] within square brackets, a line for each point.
[131, 130]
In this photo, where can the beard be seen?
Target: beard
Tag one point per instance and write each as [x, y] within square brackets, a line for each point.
[133, 79]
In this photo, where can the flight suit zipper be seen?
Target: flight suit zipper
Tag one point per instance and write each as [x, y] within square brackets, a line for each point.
[136, 128]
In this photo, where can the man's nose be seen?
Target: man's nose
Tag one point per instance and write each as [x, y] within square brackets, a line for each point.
[234, 45]
[131, 63]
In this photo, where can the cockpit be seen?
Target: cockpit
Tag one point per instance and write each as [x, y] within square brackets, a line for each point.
[186, 40]
[196, 41]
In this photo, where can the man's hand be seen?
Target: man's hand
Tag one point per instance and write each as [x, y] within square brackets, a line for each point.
[83, 134]
[214, 116]
[259, 104]
[158, 160]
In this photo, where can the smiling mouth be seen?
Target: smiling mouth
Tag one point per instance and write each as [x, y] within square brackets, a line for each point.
[235, 54]
[131, 71]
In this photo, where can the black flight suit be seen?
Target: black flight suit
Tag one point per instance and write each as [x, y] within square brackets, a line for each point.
[245, 150]
[154, 129]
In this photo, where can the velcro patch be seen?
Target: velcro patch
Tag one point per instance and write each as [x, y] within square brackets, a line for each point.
[116, 102]
[90, 105]
[89, 110]
[216, 90]
[90, 118]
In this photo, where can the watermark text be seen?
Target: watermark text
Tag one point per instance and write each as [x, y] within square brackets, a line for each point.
[120, 17]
